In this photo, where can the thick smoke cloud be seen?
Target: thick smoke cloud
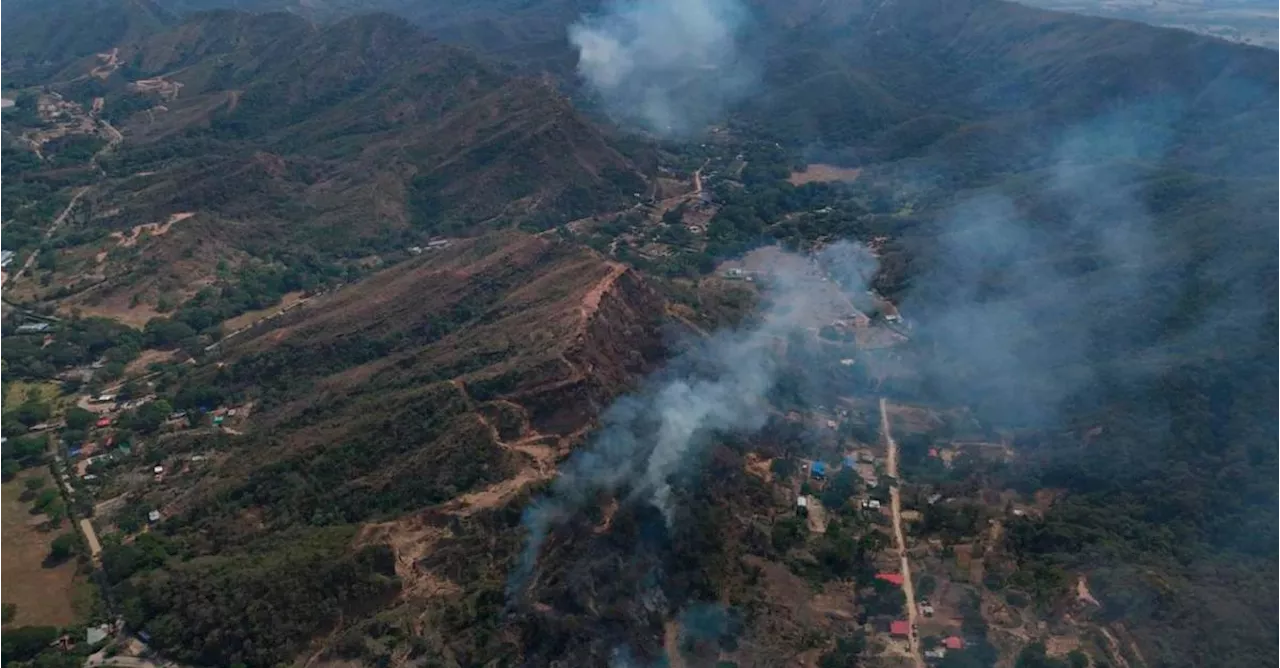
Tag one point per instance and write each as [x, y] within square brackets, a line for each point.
[669, 65]
[1030, 297]
[718, 385]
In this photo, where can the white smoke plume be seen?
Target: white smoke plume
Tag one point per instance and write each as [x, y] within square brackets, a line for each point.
[669, 65]
[719, 385]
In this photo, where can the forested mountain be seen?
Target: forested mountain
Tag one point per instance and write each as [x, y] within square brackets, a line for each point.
[39, 34]
[311, 144]
[1071, 324]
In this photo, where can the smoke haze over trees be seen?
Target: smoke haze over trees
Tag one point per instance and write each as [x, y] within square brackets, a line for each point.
[671, 65]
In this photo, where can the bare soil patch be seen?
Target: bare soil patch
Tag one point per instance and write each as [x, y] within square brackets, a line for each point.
[131, 237]
[249, 318]
[43, 596]
[148, 357]
[823, 173]
[116, 308]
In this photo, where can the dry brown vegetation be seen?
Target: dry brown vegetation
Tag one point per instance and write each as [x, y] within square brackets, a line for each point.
[821, 173]
[43, 596]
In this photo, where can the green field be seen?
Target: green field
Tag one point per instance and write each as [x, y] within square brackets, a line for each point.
[15, 392]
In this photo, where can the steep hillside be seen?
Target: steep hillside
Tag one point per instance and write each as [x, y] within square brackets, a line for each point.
[312, 146]
[41, 35]
[449, 383]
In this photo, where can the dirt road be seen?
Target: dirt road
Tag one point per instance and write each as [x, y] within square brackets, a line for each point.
[895, 503]
[57, 222]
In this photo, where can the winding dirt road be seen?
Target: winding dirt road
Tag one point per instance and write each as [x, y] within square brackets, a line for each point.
[57, 222]
[895, 497]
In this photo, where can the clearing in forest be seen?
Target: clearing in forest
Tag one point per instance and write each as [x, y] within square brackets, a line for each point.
[43, 596]
[822, 173]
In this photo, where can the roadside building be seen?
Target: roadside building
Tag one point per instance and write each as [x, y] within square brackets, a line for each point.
[96, 634]
[891, 578]
[899, 628]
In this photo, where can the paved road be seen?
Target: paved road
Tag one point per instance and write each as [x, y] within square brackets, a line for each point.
[91, 537]
[895, 496]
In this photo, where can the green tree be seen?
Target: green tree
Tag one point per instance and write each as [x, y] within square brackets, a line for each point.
[33, 411]
[845, 654]
[45, 499]
[25, 642]
[79, 419]
[148, 418]
[63, 547]
[34, 484]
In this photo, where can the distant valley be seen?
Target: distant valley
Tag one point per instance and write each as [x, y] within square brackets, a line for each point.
[1243, 21]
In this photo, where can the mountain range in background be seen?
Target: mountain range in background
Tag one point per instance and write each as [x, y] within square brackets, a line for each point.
[1244, 21]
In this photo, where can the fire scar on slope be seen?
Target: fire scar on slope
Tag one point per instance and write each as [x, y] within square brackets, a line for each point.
[413, 538]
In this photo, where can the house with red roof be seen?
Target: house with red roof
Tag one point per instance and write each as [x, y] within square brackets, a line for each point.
[953, 642]
[891, 578]
[104, 422]
[899, 628]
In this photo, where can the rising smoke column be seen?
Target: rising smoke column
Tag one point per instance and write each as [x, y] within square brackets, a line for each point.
[670, 65]
[719, 385]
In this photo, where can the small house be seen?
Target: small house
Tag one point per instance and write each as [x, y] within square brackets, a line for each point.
[848, 361]
[438, 243]
[159, 470]
[936, 653]
[926, 609]
[891, 578]
[103, 422]
[871, 504]
[899, 628]
[818, 470]
[415, 250]
[33, 328]
[104, 398]
[153, 516]
[96, 634]
[953, 642]
[802, 505]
